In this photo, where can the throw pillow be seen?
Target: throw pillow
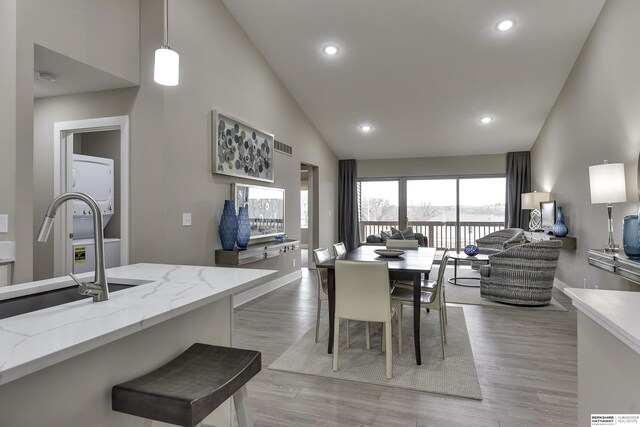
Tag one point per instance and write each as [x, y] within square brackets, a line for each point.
[408, 233]
[374, 238]
[397, 233]
[384, 235]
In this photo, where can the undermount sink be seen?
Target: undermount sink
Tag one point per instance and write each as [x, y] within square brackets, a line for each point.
[38, 301]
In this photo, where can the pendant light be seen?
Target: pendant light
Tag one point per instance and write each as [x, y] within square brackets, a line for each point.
[166, 70]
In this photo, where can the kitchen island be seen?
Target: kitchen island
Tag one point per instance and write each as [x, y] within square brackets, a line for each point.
[608, 352]
[57, 365]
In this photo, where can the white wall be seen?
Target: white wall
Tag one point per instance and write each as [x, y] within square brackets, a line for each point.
[596, 117]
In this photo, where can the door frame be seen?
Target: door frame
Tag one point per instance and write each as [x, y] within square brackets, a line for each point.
[313, 211]
[62, 167]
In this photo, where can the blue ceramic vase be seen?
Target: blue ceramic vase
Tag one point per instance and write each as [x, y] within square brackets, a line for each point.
[244, 228]
[560, 228]
[228, 226]
[471, 250]
[630, 236]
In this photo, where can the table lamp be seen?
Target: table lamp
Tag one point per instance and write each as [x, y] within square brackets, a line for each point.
[608, 186]
[532, 201]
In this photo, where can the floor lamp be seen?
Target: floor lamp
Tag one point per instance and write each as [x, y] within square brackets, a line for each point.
[608, 186]
[532, 201]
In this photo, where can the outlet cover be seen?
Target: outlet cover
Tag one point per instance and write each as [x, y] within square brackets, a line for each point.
[186, 220]
[4, 223]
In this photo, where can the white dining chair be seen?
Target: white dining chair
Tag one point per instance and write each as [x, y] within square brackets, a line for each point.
[402, 244]
[430, 286]
[321, 255]
[433, 299]
[339, 250]
[354, 281]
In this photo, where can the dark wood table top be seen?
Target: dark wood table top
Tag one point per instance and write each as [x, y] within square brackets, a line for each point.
[413, 260]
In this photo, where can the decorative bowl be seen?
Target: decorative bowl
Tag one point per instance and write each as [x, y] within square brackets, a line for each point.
[471, 250]
[389, 253]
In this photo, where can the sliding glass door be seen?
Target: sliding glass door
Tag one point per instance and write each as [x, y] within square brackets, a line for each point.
[431, 210]
[482, 208]
[379, 201]
[451, 212]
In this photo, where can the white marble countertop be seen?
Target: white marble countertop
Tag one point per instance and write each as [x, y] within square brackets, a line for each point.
[33, 341]
[616, 311]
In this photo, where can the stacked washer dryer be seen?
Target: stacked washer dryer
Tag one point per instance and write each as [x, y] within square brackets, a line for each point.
[95, 177]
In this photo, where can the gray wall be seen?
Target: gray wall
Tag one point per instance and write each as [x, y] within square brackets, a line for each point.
[433, 166]
[8, 21]
[596, 117]
[171, 136]
[46, 112]
[103, 34]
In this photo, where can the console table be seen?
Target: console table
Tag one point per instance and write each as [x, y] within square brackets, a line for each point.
[255, 252]
[616, 263]
[568, 242]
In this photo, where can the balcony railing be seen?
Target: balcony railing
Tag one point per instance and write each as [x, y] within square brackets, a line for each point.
[442, 234]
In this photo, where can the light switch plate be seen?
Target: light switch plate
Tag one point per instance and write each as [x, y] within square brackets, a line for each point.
[186, 219]
[4, 223]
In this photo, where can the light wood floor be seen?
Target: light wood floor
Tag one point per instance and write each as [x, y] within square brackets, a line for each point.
[526, 362]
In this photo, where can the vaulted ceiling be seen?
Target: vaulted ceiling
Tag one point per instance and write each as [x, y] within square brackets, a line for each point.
[421, 72]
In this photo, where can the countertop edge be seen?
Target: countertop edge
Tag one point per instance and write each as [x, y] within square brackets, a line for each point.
[31, 366]
[617, 330]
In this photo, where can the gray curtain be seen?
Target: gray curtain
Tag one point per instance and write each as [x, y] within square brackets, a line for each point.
[348, 227]
[518, 182]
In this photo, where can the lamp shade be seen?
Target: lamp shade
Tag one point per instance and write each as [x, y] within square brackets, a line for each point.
[607, 183]
[166, 69]
[532, 200]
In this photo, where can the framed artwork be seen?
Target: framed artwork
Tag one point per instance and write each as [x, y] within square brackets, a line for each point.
[265, 206]
[241, 150]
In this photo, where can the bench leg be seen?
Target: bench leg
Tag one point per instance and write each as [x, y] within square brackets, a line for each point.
[242, 407]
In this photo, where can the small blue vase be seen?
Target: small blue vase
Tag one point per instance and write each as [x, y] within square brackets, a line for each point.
[559, 228]
[630, 238]
[471, 250]
[244, 228]
[228, 226]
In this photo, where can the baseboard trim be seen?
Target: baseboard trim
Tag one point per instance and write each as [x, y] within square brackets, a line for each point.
[265, 288]
[559, 284]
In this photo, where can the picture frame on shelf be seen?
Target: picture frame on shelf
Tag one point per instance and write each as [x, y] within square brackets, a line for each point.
[266, 208]
[241, 150]
[548, 212]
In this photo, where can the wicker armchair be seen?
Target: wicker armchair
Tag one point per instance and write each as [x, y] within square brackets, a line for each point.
[521, 275]
[500, 240]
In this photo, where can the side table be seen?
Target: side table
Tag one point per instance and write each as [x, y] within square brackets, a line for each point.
[461, 256]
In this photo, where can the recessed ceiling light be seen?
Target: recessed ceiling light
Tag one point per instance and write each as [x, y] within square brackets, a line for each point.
[486, 120]
[46, 76]
[505, 25]
[330, 50]
[366, 128]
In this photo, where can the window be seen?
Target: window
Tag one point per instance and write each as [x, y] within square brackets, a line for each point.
[482, 207]
[451, 212]
[304, 208]
[431, 210]
[378, 202]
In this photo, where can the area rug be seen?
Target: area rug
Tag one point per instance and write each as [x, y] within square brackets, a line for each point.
[454, 376]
[471, 295]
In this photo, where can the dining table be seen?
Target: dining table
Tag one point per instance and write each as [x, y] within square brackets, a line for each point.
[413, 263]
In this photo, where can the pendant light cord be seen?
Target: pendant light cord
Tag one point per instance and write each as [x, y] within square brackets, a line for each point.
[166, 23]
